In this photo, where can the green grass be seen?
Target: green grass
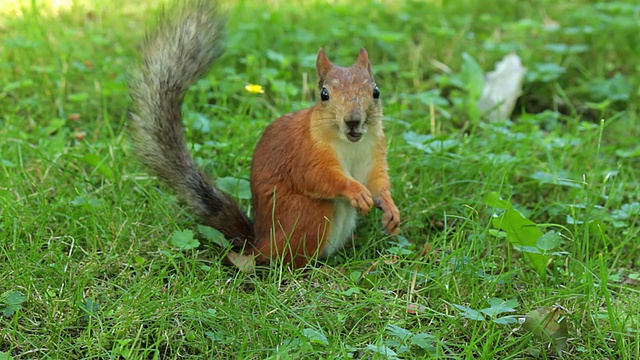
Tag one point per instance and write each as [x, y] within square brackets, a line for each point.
[87, 268]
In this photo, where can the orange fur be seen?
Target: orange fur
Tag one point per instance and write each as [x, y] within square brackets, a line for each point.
[297, 177]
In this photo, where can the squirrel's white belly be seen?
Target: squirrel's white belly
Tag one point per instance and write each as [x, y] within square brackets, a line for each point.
[356, 161]
[343, 224]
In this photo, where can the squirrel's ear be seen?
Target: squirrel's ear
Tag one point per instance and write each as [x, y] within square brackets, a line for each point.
[363, 60]
[322, 67]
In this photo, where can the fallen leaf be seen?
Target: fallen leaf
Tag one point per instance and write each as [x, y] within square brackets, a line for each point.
[244, 263]
[415, 309]
[425, 250]
[548, 324]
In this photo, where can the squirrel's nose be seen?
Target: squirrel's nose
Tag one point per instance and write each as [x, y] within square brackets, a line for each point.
[353, 119]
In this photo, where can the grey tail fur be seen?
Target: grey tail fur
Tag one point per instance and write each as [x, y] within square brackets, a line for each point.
[178, 52]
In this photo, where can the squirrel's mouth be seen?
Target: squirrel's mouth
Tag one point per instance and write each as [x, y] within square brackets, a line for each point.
[354, 136]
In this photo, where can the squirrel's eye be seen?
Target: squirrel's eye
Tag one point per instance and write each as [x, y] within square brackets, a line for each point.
[376, 92]
[324, 94]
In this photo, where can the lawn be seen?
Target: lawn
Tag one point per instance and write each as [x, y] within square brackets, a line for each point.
[534, 218]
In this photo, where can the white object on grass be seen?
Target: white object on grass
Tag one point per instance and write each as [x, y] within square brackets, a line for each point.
[502, 87]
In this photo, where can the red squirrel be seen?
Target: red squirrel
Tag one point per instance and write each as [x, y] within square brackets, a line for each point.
[312, 170]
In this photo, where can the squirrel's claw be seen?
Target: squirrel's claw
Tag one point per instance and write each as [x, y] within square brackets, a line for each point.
[391, 221]
[390, 213]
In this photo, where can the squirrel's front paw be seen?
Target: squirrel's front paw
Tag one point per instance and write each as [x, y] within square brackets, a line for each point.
[359, 196]
[391, 219]
[390, 213]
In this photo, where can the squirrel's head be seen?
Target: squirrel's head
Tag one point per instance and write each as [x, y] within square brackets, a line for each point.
[348, 97]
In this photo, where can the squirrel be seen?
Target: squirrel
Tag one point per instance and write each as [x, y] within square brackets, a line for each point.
[312, 170]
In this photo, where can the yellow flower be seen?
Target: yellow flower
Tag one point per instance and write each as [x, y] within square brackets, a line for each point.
[254, 89]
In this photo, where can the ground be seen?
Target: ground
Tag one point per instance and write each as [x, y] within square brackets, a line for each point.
[536, 217]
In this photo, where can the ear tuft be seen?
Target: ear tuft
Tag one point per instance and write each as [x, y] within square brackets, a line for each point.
[363, 60]
[323, 65]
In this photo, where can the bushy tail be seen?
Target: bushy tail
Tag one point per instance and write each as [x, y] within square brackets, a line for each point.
[178, 52]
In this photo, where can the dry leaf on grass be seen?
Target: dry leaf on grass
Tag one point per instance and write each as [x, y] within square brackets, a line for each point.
[244, 263]
[549, 324]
